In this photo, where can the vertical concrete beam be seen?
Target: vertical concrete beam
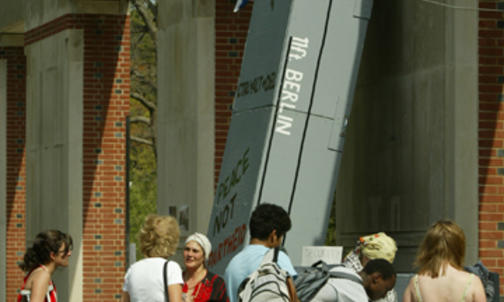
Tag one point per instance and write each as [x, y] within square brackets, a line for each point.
[186, 109]
[3, 178]
[461, 123]
[54, 141]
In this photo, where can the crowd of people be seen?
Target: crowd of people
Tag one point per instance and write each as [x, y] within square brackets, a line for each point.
[440, 277]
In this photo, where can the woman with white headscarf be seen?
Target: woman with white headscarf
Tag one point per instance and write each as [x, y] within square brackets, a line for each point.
[201, 285]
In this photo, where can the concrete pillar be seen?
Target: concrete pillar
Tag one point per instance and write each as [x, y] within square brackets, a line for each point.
[461, 86]
[186, 110]
[54, 142]
[411, 151]
[3, 177]
[77, 101]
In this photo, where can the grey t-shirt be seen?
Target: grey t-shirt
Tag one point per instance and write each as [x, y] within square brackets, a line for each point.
[342, 290]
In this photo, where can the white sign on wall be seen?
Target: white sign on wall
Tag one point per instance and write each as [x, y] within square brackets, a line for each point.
[330, 254]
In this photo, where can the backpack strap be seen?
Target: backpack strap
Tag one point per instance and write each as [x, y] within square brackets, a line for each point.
[336, 274]
[165, 281]
[275, 254]
[270, 256]
[344, 275]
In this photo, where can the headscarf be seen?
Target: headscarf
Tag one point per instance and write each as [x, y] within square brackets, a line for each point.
[203, 241]
[378, 246]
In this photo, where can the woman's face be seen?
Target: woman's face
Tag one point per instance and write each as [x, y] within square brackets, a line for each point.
[194, 256]
[61, 258]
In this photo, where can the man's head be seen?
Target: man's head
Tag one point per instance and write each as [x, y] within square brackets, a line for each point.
[380, 277]
[269, 222]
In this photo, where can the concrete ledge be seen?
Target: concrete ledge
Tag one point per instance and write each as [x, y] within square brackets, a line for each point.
[39, 12]
[114, 7]
[13, 28]
[8, 39]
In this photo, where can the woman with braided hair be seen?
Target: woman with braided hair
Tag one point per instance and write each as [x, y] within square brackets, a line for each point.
[50, 250]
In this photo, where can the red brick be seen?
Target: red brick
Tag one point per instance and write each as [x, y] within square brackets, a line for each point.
[490, 253]
[491, 216]
[16, 174]
[492, 198]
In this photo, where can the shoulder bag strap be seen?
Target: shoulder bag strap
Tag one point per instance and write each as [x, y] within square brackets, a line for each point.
[275, 254]
[344, 275]
[165, 281]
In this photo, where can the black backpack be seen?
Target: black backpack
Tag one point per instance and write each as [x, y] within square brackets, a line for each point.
[311, 279]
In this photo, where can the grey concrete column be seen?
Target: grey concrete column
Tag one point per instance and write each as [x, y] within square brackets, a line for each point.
[411, 147]
[461, 122]
[54, 121]
[186, 110]
[3, 177]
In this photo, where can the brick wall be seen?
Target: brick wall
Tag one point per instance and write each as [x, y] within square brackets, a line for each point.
[230, 34]
[491, 135]
[106, 105]
[16, 67]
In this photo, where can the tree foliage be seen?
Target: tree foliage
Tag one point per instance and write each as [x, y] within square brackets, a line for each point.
[143, 106]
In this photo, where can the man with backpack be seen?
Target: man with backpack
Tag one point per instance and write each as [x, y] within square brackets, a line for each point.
[372, 283]
[268, 225]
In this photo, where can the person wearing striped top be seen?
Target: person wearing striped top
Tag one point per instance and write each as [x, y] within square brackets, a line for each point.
[50, 250]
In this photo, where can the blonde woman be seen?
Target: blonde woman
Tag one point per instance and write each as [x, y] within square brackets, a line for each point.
[145, 279]
[441, 276]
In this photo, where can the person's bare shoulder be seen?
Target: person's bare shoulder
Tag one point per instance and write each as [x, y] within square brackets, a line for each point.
[39, 275]
[478, 291]
[408, 293]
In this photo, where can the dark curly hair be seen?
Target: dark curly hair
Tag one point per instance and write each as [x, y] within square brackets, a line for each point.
[382, 266]
[45, 243]
[266, 218]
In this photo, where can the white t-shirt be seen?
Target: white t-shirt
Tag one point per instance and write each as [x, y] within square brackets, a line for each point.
[340, 289]
[144, 279]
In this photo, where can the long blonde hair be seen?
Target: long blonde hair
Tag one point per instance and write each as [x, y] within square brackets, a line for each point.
[444, 243]
[159, 236]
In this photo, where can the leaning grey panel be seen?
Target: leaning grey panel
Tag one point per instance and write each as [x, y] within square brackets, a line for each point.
[295, 91]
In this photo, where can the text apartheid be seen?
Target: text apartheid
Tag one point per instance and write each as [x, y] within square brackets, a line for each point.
[228, 245]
